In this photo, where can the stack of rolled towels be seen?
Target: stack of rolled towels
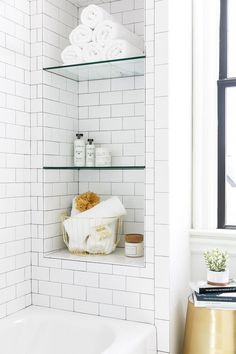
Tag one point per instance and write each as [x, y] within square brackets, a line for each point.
[99, 37]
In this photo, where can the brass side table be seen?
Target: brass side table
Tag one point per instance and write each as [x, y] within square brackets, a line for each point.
[210, 331]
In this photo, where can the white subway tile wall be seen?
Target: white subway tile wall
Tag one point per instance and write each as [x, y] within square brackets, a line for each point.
[161, 186]
[110, 111]
[15, 175]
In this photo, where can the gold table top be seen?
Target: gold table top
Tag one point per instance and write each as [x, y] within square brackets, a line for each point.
[210, 331]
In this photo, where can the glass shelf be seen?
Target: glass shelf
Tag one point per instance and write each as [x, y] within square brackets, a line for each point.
[94, 168]
[109, 69]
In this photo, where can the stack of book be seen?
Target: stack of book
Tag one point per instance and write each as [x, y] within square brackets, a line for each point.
[205, 295]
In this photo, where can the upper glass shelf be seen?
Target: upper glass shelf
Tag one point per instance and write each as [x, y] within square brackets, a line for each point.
[94, 168]
[101, 70]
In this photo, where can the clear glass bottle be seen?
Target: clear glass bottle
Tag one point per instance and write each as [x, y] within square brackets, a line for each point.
[79, 151]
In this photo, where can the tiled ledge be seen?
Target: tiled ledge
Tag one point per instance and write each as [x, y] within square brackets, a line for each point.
[116, 257]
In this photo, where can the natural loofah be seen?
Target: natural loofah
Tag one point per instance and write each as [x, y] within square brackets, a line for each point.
[86, 201]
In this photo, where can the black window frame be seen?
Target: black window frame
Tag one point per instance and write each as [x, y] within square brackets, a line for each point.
[223, 83]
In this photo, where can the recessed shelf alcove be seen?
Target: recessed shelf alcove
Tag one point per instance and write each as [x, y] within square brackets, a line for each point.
[105, 101]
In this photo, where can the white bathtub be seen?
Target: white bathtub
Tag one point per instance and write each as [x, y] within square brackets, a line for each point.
[37, 330]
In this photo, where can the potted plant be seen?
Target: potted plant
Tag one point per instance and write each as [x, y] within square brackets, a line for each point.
[216, 262]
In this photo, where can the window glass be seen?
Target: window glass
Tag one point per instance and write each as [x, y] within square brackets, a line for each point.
[230, 152]
[231, 42]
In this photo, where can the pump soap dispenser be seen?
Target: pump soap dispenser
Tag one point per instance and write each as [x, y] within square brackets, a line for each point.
[90, 153]
[79, 151]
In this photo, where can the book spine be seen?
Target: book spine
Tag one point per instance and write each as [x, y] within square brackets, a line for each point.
[219, 299]
[213, 304]
[223, 305]
[217, 290]
[215, 298]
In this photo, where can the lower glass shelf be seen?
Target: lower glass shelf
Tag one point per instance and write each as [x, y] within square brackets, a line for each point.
[118, 257]
[94, 168]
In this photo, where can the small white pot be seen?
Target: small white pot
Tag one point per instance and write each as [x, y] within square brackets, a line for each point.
[218, 278]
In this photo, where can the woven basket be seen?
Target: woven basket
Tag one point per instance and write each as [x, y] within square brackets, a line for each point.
[117, 231]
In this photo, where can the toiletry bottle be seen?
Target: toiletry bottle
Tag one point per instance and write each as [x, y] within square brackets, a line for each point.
[90, 153]
[79, 151]
[103, 157]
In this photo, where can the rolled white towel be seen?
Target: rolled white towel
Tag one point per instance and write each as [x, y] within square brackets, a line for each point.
[119, 49]
[80, 35]
[93, 51]
[109, 30]
[92, 15]
[72, 55]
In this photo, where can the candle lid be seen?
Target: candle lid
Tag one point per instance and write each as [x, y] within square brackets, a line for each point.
[134, 238]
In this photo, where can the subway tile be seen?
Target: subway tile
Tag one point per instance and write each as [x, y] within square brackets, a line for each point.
[162, 304]
[73, 292]
[49, 288]
[140, 315]
[112, 311]
[90, 308]
[140, 285]
[125, 298]
[162, 335]
[162, 275]
[111, 97]
[16, 305]
[62, 304]
[99, 295]
[147, 302]
[86, 279]
[112, 282]
[40, 273]
[41, 300]
[161, 16]
[162, 240]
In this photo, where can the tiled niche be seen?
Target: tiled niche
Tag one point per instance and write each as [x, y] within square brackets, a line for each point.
[111, 111]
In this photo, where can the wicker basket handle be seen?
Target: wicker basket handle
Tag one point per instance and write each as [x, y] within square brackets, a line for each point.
[118, 233]
[65, 236]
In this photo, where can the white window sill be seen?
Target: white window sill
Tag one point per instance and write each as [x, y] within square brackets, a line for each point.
[201, 240]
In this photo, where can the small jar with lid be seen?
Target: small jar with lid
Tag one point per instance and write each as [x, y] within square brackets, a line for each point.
[134, 245]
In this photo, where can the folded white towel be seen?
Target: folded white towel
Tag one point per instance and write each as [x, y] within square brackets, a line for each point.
[92, 15]
[80, 35]
[72, 55]
[119, 49]
[109, 208]
[110, 30]
[93, 51]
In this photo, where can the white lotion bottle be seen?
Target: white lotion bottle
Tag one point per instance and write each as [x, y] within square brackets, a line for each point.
[90, 153]
[79, 151]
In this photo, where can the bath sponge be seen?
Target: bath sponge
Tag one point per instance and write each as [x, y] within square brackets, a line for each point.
[86, 201]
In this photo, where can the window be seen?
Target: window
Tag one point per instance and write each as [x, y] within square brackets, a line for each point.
[206, 23]
[227, 117]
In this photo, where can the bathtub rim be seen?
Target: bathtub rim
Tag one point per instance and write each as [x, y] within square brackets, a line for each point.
[144, 331]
